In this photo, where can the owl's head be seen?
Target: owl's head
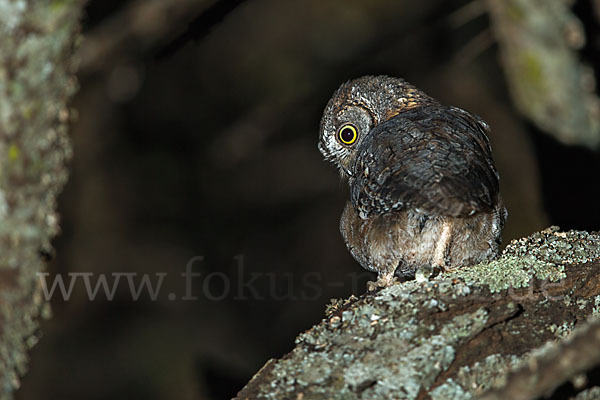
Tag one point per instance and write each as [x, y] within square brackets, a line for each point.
[356, 108]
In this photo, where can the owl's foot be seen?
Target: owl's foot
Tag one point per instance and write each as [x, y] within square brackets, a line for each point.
[383, 281]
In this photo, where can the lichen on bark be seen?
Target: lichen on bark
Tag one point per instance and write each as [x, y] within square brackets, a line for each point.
[454, 336]
[37, 66]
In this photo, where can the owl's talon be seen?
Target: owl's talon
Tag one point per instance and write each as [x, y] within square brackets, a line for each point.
[383, 282]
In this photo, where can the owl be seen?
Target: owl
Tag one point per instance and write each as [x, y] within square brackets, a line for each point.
[424, 190]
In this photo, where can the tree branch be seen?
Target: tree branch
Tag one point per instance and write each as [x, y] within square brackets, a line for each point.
[539, 41]
[556, 364]
[455, 336]
[36, 81]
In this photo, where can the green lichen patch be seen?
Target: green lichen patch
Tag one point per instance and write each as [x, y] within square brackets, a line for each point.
[509, 271]
[373, 350]
[474, 380]
[596, 309]
[543, 256]
[589, 394]
[552, 246]
[36, 81]
[428, 335]
[563, 330]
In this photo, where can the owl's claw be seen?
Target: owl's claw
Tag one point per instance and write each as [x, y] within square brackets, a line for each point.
[382, 282]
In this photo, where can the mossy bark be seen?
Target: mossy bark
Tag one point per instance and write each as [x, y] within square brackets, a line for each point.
[455, 336]
[37, 40]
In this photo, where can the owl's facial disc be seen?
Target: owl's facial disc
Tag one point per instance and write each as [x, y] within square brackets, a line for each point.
[342, 133]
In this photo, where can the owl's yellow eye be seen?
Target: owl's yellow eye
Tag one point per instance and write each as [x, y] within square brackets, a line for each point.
[348, 134]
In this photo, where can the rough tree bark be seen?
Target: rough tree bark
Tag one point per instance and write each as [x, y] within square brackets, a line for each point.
[37, 39]
[457, 335]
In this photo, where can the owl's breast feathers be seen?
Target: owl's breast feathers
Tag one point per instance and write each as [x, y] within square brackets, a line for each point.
[432, 158]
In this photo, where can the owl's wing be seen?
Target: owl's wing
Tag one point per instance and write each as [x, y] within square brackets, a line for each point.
[433, 158]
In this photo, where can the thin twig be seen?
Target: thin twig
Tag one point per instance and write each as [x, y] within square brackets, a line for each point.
[138, 27]
[474, 47]
[466, 14]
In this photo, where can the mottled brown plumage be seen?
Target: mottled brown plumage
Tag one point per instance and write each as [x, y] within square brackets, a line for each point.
[423, 186]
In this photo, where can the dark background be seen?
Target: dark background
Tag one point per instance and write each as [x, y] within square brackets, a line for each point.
[203, 143]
